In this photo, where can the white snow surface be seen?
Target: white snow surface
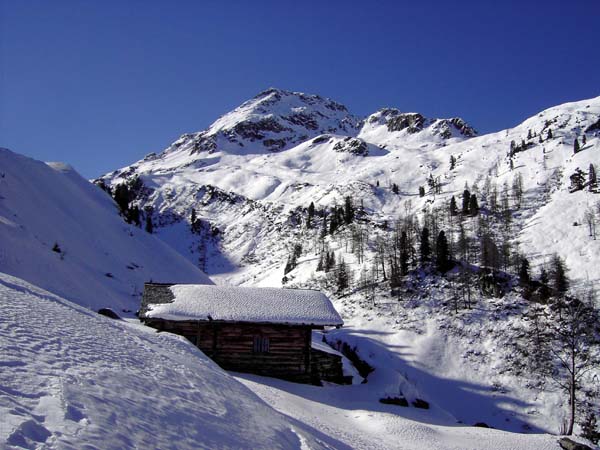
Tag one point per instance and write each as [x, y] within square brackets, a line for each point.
[245, 304]
[72, 379]
[102, 262]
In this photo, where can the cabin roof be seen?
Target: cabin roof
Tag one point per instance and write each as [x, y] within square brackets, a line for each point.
[238, 304]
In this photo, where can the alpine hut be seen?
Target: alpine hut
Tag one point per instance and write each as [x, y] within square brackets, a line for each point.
[266, 331]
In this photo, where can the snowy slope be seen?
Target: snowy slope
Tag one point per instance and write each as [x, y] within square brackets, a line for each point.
[73, 379]
[257, 201]
[253, 197]
[99, 261]
[351, 415]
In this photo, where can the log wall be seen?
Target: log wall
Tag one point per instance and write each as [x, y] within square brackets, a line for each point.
[231, 346]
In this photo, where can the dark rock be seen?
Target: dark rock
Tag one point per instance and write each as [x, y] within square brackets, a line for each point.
[108, 313]
[419, 403]
[593, 127]
[481, 425]
[352, 145]
[304, 120]
[411, 122]
[204, 144]
[400, 401]
[322, 138]
[569, 444]
[274, 144]
[255, 130]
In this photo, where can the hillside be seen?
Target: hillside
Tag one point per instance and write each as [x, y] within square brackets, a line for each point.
[254, 201]
[64, 234]
[71, 378]
[245, 212]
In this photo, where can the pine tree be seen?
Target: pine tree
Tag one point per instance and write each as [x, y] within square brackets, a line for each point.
[576, 146]
[348, 211]
[333, 222]
[589, 429]
[324, 227]
[395, 189]
[465, 202]
[329, 261]
[544, 289]
[404, 253]
[442, 252]
[584, 139]
[524, 276]
[593, 181]
[560, 282]
[577, 180]
[421, 191]
[342, 276]
[453, 208]
[320, 264]
[550, 133]
[425, 247]
[452, 162]
[310, 215]
[473, 205]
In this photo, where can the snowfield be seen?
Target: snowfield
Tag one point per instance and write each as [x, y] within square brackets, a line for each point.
[73, 379]
[64, 234]
[351, 415]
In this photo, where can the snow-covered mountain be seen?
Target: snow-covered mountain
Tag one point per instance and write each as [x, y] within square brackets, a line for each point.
[233, 200]
[250, 196]
[250, 205]
[64, 234]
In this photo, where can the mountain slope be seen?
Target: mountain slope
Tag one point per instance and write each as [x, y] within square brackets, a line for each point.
[254, 197]
[65, 235]
[73, 379]
[400, 171]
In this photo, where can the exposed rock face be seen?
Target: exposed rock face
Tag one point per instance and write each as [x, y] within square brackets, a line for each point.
[355, 146]
[448, 128]
[411, 122]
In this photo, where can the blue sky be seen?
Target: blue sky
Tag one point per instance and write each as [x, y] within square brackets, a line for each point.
[99, 84]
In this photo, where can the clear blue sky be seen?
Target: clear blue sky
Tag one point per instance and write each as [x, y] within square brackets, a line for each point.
[99, 84]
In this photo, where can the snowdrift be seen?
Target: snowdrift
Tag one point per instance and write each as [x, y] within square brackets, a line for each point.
[71, 378]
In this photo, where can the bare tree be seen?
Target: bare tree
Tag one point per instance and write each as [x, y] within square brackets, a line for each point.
[590, 218]
[566, 347]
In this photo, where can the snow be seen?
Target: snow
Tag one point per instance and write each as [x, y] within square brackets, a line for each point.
[354, 417]
[73, 379]
[460, 362]
[244, 304]
[102, 262]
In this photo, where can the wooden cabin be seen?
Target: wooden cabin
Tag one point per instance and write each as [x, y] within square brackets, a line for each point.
[265, 331]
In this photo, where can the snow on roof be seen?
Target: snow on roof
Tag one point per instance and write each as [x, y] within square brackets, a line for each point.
[241, 304]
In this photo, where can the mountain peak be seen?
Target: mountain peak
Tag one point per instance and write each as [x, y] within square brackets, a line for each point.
[272, 121]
